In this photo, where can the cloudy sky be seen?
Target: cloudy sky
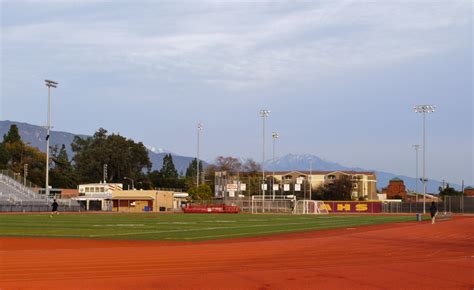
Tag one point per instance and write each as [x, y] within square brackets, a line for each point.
[339, 77]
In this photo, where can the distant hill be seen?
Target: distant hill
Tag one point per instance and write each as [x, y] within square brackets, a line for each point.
[303, 162]
[36, 137]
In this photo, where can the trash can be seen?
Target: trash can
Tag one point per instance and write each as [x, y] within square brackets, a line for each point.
[418, 217]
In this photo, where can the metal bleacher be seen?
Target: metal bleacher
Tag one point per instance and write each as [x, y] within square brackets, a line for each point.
[14, 192]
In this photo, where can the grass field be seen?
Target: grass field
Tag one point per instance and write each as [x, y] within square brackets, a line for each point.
[177, 227]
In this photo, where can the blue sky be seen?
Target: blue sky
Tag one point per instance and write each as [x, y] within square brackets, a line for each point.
[339, 77]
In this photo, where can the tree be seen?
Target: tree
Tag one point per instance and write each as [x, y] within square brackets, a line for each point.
[168, 171]
[191, 173]
[339, 189]
[12, 149]
[62, 173]
[3, 157]
[12, 135]
[168, 176]
[124, 157]
[202, 192]
[191, 170]
[449, 191]
[230, 164]
[251, 167]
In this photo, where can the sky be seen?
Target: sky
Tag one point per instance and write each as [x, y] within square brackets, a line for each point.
[340, 78]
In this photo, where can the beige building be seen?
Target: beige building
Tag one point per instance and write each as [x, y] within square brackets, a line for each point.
[147, 200]
[364, 184]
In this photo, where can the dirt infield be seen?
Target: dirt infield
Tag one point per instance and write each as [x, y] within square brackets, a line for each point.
[392, 256]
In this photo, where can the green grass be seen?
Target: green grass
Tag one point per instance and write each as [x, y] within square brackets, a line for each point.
[176, 227]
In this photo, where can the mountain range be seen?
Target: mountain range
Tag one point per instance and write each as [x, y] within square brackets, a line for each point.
[35, 136]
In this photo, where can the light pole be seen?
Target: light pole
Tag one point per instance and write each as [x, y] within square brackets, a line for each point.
[263, 113]
[25, 173]
[424, 109]
[132, 180]
[50, 84]
[275, 136]
[310, 177]
[199, 128]
[105, 173]
[417, 147]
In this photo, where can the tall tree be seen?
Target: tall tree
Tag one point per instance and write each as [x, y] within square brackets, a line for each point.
[13, 149]
[168, 171]
[168, 176]
[12, 136]
[124, 157]
[62, 174]
[191, 173]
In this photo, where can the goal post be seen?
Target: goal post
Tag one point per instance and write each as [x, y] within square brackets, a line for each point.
[268, 204]
[310, 207]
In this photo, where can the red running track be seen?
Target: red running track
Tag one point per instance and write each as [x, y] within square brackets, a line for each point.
[393, 256]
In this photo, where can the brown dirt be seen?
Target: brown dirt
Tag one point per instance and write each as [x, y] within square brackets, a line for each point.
[393, 256]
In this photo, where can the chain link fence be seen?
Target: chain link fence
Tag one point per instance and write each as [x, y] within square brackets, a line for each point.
[454, 204]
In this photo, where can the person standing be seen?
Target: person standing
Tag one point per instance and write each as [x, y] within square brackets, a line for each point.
[54, 209]
[433, 212]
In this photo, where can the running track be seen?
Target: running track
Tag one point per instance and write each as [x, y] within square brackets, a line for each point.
[405, 255]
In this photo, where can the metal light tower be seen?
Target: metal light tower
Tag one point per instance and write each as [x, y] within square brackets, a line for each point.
[105, 173]
[50, 84]
[424, 109]
[275, 136]
[264, 114]
[310, 177]
[417, 147]
[199, 128]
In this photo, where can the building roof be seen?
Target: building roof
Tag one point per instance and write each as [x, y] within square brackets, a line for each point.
[132, 198]
[396, 179]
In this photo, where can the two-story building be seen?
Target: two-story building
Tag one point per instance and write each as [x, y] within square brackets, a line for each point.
[97, 196]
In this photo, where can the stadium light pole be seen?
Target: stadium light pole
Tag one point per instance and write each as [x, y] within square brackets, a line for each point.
[50, 84]
[131, 179]
[310, 177]
[275, 136]
[264, 114]
[417, 147]
[424, 109]
[199, 128]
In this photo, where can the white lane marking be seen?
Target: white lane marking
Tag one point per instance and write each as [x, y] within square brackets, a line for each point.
[206, 229]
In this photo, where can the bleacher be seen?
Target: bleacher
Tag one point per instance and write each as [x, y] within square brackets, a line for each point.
[15, 193]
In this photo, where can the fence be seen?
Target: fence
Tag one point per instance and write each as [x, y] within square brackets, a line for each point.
[65, 205]
[454, 204]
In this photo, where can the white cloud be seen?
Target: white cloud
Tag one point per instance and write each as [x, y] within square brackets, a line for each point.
[331, 36]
